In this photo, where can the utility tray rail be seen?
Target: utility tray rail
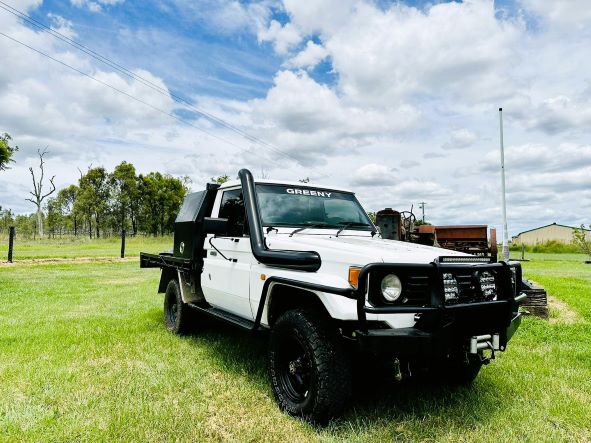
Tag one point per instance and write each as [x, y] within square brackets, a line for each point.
[165, 261]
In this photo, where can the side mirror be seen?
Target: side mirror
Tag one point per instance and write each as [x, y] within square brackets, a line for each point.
[215, 225]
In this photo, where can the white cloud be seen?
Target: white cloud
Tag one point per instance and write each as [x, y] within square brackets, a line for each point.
[413, 189]
[433, 155]
[562, 13]
[283, 37]
[404, 81]
[225, 16]
[309, 57]
[24, 5]
[460, 139]
[61, 25]
[559, 114]
[321, 16]
[373, 174]
[95, 5]
[407, 164]
[565, 157]
[454, 50]
[313, 122]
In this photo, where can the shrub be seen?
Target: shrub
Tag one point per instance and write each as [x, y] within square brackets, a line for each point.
[582, 241]
[550, 246]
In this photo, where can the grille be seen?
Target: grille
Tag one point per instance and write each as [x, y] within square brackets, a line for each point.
[417, 290]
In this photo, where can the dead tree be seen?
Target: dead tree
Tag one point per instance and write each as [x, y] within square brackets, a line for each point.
[37, 193]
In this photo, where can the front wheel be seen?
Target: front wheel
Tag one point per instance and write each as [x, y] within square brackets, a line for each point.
[461, 371]
[177, 315]
[310, 371]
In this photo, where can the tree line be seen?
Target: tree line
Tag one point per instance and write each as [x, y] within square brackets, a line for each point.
[104, 203]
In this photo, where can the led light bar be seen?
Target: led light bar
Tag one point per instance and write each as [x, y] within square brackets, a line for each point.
[466, 259]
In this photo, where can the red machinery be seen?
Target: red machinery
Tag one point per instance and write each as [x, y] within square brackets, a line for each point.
[472, 239]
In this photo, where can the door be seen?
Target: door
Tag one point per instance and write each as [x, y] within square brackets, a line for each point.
[226, 270]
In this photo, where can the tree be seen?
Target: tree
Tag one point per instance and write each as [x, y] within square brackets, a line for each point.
[55, 216]
[125, 195]
[37, 193]
[6, 151]
[93, 198]
[161, 197]
[582, 240]
[25, 225]
[6, 219]
[67, 202]
[220, 179]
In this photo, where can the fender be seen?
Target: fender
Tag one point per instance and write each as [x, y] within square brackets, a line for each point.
[345, 292]
[308, 261]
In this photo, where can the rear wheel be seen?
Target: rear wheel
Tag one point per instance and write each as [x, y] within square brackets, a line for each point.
[177, 315]
[310, 371]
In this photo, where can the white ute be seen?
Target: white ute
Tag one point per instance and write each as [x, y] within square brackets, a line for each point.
[307, 264]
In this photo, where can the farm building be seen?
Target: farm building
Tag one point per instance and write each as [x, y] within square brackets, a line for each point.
[561, 233]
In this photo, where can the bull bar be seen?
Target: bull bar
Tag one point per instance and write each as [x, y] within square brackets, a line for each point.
[439, 325]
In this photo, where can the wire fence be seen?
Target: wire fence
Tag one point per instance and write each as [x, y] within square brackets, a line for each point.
[15, 247]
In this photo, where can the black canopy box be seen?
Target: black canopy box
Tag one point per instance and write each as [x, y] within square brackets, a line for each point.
[189, 235]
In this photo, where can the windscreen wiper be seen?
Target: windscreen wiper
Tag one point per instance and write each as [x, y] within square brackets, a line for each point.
[314, 225]
[349, 225]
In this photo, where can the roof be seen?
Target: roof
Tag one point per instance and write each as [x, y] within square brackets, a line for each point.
[551, 224]
[231, 184]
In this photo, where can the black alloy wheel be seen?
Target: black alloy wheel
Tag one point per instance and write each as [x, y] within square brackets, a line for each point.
[309, 368]
[177, 315]
[295, 369]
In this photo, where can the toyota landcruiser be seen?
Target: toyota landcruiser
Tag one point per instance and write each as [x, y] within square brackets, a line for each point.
[306, 264]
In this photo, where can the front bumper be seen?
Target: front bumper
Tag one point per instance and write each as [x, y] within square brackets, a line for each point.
[424, 344]
[441, 328]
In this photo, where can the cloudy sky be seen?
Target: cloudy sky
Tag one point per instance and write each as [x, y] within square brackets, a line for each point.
[395, 100]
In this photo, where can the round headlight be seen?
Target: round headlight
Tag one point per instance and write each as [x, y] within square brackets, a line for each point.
[391, 287]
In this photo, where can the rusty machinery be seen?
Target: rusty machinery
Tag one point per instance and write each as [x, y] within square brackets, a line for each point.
[472, 239]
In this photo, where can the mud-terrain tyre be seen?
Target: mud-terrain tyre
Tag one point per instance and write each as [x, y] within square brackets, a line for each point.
[309, 368]
[177, 315]
[461, 371]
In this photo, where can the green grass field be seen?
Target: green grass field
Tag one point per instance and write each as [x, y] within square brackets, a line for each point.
[84, 356]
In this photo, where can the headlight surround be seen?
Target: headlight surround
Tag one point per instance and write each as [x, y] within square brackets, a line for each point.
[391, 287]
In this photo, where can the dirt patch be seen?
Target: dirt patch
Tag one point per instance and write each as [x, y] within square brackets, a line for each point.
[561, 313]
[44, 261]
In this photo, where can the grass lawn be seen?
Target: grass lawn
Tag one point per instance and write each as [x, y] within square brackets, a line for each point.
[84, 356]
[73, 247]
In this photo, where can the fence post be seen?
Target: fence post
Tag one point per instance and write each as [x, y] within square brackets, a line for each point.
[522, 251]
[11, 232]
[123, 243]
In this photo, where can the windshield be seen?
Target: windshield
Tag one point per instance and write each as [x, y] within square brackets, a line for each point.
[282, 205]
